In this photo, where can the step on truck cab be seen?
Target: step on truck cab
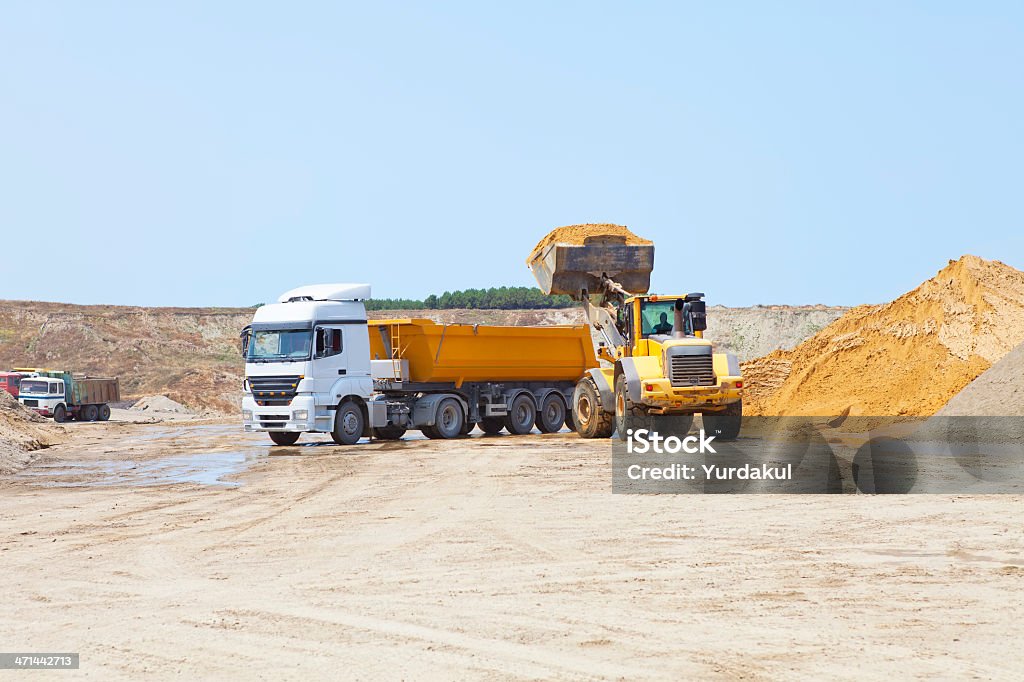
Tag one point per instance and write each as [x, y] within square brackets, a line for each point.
[314, 364]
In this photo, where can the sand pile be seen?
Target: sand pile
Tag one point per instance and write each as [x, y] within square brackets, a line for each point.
[575, 234]
[159, 403]
[907, 357]
[21, 432]
[998, 392]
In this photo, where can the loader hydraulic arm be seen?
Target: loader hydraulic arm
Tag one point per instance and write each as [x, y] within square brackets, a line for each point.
[601, 311]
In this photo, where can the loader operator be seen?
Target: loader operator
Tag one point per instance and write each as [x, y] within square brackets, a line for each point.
[663, 327]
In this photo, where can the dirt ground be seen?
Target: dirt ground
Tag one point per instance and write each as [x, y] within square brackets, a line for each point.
[192, 550]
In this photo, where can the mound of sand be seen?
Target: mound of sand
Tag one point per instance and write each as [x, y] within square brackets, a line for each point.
[907, 357]
[998, 392]
[159, 403]
[21, 432]
[575, 234]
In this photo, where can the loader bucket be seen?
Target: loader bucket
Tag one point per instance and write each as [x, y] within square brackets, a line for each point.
[562, 268]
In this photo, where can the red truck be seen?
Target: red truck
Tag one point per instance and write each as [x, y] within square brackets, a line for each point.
[10, 382]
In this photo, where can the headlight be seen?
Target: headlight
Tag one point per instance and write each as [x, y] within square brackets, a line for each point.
[247, 415]
[300, 415]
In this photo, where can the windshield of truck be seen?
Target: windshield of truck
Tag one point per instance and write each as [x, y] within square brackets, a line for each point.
[35, 387]
[657, 317]
[280, 346]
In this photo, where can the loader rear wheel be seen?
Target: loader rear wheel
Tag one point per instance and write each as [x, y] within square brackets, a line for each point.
[348, 423]
[628, 415]
[492, 426]
[284, 437]
[724, 425]
[521, 415]
[589, 417]
[89, 413]
[104, 413]
[389, 432]
[552, 414]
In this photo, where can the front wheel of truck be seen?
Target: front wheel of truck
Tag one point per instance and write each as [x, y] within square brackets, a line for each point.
[284, 437]
[60, 415]
[725, 425]
[348, 423]
[589, 417]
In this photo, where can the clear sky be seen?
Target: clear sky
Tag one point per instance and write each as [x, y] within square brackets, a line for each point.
[219, 153]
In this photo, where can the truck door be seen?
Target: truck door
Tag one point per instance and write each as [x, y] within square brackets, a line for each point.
[330, 354]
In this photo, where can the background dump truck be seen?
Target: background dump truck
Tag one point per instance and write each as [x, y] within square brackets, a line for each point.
[314, 364]
[65, 396]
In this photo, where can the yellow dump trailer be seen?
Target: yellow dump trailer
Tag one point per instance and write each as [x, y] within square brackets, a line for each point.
[460, 353]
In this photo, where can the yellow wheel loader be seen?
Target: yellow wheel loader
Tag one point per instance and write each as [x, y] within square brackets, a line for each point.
[657, 361]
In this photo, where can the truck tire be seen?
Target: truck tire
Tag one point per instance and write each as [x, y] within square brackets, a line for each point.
[389, 432]
[449, 418]
[569, 423]
[430, 432]
[348, 423]
[589, 417]
[551, 416]
[467, 427]
[88, 413]
[104, 415]
[492, 426]
[521, 415]
[284, 437]
[628, 415]
[724, 425]
[60, 414]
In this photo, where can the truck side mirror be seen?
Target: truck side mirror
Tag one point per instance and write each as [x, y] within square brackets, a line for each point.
[244, 339]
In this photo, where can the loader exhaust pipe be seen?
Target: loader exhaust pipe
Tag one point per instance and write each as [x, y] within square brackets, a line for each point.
[678, 329]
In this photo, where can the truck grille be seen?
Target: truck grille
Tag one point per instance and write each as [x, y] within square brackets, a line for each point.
[273, 390]
[692, 370]
[33, 403]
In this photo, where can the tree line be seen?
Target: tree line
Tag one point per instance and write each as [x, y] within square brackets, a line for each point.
[493, 298]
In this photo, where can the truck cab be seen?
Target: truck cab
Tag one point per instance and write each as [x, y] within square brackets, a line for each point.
[10, 382]
[304, 356]
[44, 395]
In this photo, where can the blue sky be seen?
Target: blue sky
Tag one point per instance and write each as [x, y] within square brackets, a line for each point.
[205, 153]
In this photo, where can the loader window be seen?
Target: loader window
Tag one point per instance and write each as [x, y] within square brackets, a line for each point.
[657, 317]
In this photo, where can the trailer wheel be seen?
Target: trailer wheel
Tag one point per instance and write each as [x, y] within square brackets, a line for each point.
[521, 415]
[104, 413]
[726, 424]
[348, 423]
[284, 437]
[60, 415]
[552, 414]
[389, 432]
[492, 426]
[88, 413]
[449, 419]
[569, 421]
[589, 417]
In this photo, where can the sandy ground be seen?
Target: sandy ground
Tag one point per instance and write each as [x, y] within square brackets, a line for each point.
[194, 551]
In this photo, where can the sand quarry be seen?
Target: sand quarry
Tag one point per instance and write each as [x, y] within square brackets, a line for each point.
[174, 545]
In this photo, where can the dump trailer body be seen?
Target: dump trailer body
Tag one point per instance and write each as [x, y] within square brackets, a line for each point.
[459, 353]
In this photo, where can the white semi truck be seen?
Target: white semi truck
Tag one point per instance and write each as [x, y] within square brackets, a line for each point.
[315, 364]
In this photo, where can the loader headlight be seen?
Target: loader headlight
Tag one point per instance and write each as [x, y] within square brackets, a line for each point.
[300, 415]
[247, 415]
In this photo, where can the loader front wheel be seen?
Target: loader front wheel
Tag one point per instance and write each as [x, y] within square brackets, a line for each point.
[725, 425]
[627, 413]
[589, 417]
